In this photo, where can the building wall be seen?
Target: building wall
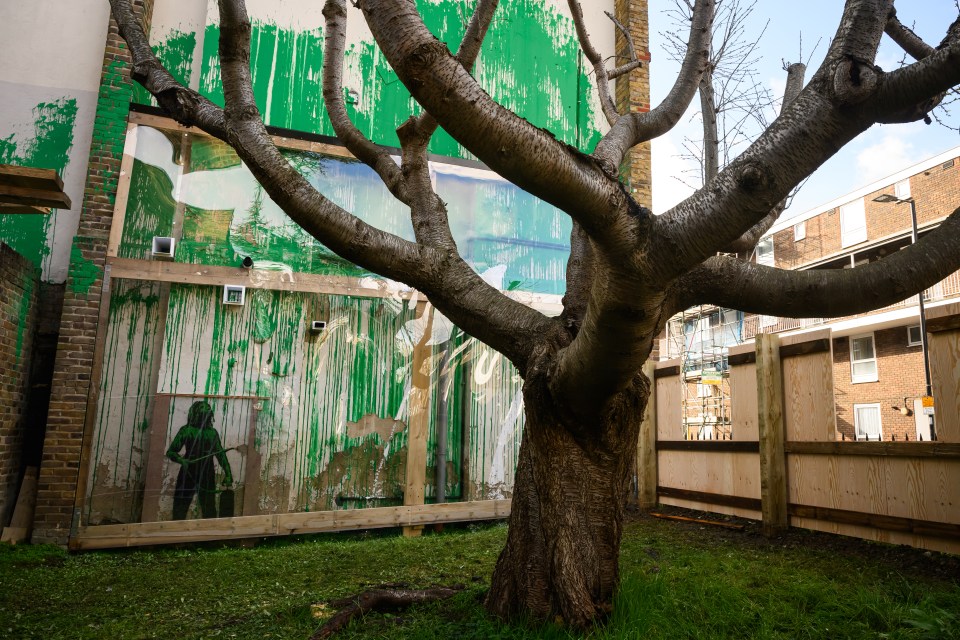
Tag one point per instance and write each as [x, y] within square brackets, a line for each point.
[537, 81]
[900, 375]
[936, 191]
[19, 287]
[51, 52]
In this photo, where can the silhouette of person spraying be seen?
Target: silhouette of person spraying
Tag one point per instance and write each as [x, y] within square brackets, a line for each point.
[196, 467]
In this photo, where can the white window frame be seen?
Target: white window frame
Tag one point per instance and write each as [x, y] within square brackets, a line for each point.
[910, 341]
[856, 418]
[902, 189]
[800, 231]
[854, 378]
[850, 233]
[768, 259]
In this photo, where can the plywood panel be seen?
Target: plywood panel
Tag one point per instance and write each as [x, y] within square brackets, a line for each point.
[945, 375]
[809, 408]
[669, 422]
[731, 474]
[743, 401]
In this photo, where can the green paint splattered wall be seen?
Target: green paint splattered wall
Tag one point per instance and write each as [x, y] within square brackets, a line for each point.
[318, 421]
[50, 59]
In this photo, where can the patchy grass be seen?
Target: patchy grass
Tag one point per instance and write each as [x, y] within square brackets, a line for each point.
[679, 581]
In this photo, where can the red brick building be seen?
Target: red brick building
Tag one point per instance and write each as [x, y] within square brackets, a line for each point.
[878, 357]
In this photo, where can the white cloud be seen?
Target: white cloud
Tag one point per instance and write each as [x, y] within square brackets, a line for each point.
[667, 168]
[893, 151]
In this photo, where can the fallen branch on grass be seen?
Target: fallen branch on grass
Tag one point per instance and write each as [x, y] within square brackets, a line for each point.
[725, 525]
[380, 599]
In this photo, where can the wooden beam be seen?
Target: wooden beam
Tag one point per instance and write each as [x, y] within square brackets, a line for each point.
[123, 191]
[878, 521]
[158, 271]
[737, 502]
[647, 445]
[666, 372]
[33, 197]
[715, 446]
[30, 177]
[943, 450]
[25, 209]
[773, 472]
[201, 530]
[418, 426]
[161, 122]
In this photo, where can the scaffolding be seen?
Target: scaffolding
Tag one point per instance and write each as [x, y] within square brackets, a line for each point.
[701, 337]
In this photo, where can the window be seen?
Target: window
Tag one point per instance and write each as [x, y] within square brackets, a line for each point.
[799, 231]
[866, 419]
[902, 189]
[765, 251]
[853, 223]
[914, 337]
[863, 359]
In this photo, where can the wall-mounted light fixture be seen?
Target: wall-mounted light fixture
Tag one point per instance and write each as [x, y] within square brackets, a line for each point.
[247, 262]
[318, 326]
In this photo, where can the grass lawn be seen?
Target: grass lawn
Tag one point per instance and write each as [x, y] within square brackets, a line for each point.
[680, 580]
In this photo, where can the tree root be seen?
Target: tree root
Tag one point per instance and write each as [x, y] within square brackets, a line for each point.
[387, 597]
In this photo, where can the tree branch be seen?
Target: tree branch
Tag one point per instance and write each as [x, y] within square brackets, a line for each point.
[748, 241]
[634, 128]
[837, 105]
[342, 232]
[185, 105]
[906, 38]
[634, 61]
[607, 104]
[531, 158]
[825, 293]
[335, 35]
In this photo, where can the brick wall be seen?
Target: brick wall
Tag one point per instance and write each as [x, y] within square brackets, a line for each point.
[900, 375]
[633, 95]
[19, 295]
[936, 192]
[58, 480]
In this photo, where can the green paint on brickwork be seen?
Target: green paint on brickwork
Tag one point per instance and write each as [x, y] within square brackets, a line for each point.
[110, 123]
[47, 148]
[530, 64]
[175, 52]
[83, 272]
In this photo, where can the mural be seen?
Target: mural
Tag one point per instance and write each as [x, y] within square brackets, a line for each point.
[210, 408]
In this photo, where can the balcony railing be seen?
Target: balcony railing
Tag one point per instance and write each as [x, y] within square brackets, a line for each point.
[753, 324]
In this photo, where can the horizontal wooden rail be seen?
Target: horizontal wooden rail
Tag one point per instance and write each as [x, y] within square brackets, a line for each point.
[182, 531]
[718, 446]
[666, 372]
[877, 521]
[786, 351]
[710, 498]
[890, 449]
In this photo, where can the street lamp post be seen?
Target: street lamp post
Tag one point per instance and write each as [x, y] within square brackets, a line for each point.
[886, 197]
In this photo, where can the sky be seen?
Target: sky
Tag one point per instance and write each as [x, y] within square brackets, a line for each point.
[875, 154]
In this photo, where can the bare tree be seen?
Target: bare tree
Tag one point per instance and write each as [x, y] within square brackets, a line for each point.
[628, 270]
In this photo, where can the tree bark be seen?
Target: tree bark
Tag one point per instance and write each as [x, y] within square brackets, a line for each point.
[566, 522]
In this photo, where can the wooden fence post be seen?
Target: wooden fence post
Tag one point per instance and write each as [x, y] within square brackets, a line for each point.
[418, 425]
[773, 472]
[647, 446]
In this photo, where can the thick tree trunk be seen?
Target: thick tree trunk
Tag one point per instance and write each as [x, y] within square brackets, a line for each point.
[566, 520]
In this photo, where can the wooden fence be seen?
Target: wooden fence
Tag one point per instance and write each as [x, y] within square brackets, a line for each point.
[785, 465]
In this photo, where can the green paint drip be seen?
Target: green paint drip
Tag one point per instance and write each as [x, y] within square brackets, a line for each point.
[49, 148]
[83, 272]
[530, 64]
[176, 54]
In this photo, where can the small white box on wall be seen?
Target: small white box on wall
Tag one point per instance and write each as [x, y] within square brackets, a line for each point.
[234, 294]
[163, 247]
